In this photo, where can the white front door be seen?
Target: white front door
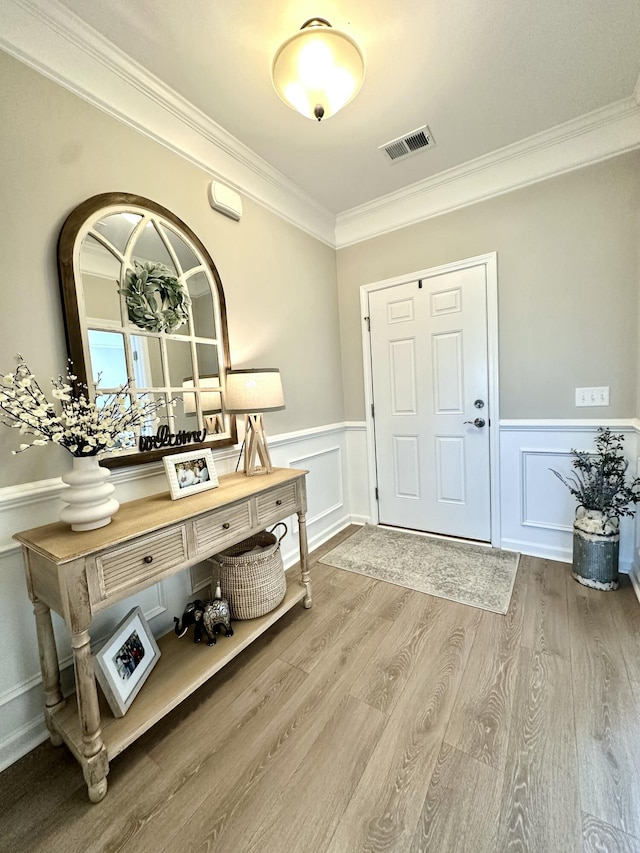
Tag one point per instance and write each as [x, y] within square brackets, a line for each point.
[430, 390]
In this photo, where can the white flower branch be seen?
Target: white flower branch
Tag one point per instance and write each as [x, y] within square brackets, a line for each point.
[81, 426]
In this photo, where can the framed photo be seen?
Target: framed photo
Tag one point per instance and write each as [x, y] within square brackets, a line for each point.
[125, 661]
[190, 473]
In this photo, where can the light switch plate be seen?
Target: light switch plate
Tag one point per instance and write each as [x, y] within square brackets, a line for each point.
[592, 396]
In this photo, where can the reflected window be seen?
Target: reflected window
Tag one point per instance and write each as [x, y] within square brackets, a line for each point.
[108, 359]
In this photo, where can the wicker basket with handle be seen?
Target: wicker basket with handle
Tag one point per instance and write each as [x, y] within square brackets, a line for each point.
[251, 574]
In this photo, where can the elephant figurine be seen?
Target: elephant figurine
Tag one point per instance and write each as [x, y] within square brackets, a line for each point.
[210, 616]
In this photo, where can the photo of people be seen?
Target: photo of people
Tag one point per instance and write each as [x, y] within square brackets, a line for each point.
[128, 656]
[192, 473]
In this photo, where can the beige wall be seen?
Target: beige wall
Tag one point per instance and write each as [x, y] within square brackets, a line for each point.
[568, 280]
[280, 283]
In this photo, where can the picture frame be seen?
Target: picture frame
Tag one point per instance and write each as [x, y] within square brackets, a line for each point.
[125, 661]
[190, 473]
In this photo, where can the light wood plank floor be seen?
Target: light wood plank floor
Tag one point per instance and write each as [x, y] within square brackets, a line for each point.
[381, 720]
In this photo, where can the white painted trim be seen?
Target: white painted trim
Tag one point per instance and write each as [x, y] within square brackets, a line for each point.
[19, 742]
[24, 494]
[524, 520]
[569, 425]
[489, 261]
[365, 290]
[597, 136]
[304, 434]
[340, 502]
[53, 40]
[535, 549]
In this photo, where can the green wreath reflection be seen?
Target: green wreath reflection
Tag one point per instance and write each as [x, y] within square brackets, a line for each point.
[156, 301]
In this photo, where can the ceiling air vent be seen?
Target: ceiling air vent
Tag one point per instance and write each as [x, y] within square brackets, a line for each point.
[410, 143]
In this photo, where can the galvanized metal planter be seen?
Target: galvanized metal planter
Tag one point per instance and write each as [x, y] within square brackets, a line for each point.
[596, 545]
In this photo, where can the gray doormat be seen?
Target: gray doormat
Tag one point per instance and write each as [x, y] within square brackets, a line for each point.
[470, 574]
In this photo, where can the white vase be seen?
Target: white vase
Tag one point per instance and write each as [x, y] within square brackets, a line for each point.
[89, 500]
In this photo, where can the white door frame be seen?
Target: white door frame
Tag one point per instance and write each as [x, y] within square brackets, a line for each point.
[490, 262]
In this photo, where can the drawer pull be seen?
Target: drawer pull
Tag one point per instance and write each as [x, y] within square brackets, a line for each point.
[226, 525]
[278, 502]
[148, 559]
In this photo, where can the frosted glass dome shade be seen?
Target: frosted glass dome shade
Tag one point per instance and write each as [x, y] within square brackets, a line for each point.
[318, 70]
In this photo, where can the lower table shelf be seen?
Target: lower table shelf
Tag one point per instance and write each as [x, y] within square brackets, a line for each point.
[182, 668]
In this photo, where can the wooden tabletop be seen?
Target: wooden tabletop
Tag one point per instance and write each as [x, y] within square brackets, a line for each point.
[134, 518]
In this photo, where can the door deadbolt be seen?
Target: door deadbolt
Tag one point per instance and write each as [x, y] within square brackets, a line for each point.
[479, 404]
[479, 422]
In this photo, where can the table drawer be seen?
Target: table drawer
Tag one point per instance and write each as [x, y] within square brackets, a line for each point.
[277, 503]
[217, 528]
[141, 560]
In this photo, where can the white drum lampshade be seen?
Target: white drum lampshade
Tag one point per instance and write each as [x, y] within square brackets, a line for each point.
[250, 392]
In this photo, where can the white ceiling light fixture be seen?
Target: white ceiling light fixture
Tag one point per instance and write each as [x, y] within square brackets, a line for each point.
[318, 70]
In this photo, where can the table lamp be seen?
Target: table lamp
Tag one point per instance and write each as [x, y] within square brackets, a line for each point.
[251, 392]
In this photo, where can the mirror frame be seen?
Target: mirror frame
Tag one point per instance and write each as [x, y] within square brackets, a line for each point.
[75, 322]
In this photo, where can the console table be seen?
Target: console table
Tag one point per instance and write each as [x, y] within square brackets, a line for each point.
[79, 574]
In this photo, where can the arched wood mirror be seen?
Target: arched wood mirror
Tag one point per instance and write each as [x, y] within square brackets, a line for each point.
[144, 304]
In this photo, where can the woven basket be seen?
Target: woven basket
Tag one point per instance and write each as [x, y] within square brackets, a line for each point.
[251, 574]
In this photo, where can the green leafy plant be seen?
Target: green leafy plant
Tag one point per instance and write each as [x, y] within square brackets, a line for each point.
[156, 300]
[600, 482]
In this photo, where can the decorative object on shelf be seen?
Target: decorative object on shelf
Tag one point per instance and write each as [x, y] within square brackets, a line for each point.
[252, 574]
[209, 616]
[89, 497]
[318, 70]
[156, 300]
[190, 473]
[604, 495]
[250, 392]
[83, 427]
[210, 402]
[125, 661]
[164, 438]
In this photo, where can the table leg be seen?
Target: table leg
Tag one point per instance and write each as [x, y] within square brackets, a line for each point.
[304, 557]
[48, 666]
[95, 764]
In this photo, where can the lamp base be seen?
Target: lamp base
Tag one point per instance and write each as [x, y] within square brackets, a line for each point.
[256, 446]
[214, 424]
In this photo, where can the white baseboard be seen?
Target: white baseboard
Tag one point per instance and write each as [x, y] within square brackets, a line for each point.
[18, 743]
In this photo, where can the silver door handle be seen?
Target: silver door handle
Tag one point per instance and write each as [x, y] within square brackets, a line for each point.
[479, 422]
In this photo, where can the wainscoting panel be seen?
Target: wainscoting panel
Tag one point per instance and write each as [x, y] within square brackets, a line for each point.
[536, 509]
[322, 451]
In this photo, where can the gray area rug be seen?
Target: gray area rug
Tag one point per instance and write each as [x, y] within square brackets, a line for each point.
[470, 574]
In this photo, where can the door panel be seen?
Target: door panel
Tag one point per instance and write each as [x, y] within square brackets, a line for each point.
[403, 377]
[405, 466]
[429, 364]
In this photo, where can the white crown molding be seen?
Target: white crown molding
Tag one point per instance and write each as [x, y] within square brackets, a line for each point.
[597, 136]
[53, 40]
